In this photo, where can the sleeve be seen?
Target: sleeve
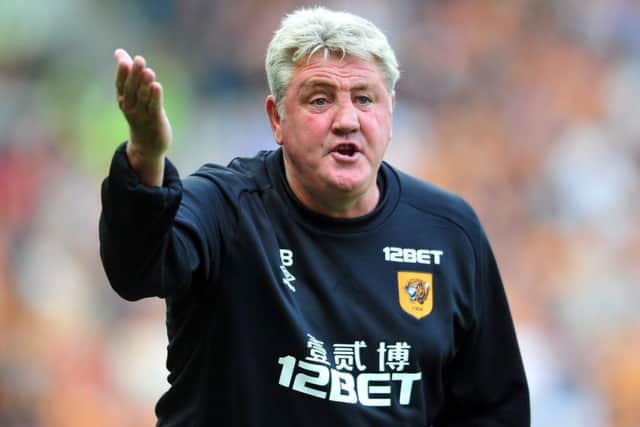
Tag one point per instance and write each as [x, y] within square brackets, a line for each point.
[485, 383]
[152, 242]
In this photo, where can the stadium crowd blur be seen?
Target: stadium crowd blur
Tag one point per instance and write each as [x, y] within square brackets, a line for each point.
[528, 108]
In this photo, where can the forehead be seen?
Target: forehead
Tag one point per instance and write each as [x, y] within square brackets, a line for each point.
[347, 71]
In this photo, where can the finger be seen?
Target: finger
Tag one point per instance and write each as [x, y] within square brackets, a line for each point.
[155, 98]
[144, 92]
[121, 54]
[122, 69]
[133, 81]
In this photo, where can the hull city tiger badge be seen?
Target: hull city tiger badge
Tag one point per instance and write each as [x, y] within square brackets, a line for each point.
[415, 292]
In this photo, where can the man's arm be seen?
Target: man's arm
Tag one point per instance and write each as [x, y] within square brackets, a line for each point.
[147, 247]
[485, 384]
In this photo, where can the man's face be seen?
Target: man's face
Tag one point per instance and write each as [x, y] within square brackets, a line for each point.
[334, 132]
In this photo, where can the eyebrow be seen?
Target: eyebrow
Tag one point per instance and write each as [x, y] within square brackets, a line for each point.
[328, 84]
[316, 84]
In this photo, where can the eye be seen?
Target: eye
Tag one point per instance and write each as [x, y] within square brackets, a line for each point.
[319, 101]
[363, 100]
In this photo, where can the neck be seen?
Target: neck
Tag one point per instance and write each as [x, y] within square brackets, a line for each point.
[337, 204]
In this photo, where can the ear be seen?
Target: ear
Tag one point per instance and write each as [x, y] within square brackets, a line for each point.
[393, 107]
[274, 118]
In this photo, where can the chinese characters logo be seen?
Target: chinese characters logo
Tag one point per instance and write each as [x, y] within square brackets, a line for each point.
[345, 378]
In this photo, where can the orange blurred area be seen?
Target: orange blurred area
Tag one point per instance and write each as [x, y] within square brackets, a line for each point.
[526, 108]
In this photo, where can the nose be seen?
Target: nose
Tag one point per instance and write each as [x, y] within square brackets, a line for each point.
[346, 118]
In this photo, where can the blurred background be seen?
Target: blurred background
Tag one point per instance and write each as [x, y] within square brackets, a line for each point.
[527, 108]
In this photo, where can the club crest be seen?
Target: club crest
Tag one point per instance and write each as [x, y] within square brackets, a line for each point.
[415, 292]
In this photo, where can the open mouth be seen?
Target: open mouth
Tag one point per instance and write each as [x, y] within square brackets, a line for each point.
[346, 149]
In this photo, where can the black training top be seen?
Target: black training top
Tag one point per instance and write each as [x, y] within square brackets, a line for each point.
[278, 316]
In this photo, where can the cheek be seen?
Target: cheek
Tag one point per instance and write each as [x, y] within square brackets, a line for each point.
[312, 129]
[378, 128]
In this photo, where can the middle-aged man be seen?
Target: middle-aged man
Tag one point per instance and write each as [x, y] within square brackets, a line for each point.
[312, 285]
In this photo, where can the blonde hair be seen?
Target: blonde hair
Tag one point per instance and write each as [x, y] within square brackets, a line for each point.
[307, 31]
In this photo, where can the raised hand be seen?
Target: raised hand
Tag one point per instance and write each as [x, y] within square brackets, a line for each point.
[139, 97]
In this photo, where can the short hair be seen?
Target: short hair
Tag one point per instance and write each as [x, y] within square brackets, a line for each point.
[307, 31]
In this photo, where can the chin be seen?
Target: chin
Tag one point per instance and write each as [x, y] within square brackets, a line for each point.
[348, 185]
[349, 180]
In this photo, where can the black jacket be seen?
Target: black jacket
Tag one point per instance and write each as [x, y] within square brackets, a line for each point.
[278, 316]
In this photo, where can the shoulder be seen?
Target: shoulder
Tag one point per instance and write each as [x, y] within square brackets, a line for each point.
[242, 174]
[449, 210]
[435, 201]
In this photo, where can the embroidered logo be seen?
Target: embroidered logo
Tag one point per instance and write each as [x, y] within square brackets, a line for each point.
[287, 278]
[286, 259]
[415, 293]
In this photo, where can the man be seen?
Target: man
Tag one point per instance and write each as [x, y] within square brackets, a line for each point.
[312, 285]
